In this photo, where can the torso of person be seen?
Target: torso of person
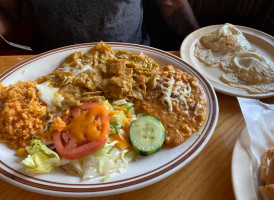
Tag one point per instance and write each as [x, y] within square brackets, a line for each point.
[64, 23]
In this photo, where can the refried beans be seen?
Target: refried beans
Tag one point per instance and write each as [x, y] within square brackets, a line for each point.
[178, 101]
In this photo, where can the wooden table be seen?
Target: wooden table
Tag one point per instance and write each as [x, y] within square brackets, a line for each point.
[207, 176]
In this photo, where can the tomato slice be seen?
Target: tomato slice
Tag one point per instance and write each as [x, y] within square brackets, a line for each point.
[86, 132]
[71, 150]
[76, 110]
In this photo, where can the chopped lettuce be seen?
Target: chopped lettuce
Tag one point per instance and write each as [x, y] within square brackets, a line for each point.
[114, 129]
[107, 105]
[117, 119]
[106, 162]
[128, 105]
[104, 150]
[119, 102]
[41, 159]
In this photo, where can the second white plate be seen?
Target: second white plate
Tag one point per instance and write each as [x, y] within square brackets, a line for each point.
[242, 172]
[262, 42]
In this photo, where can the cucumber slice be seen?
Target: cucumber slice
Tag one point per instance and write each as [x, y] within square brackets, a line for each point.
[147, 135]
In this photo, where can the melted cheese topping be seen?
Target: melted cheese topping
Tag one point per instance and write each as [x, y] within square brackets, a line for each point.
[174, 91]
[76, 70]
[87, 126]
[198, 106]
[50, 95]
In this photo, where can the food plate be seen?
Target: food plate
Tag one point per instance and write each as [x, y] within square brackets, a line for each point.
[141, 173]
[262, 42]
[243, 178]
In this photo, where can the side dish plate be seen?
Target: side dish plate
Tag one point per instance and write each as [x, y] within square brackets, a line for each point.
[262, 42]
[141, 173]
[243, 178]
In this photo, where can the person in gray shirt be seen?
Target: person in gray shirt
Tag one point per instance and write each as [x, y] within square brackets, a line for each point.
[60, 23]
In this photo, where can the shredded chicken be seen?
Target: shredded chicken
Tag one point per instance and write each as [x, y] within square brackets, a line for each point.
[103, 72]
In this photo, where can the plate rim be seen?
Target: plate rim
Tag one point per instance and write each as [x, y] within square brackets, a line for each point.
[268, 38]
[148, 180]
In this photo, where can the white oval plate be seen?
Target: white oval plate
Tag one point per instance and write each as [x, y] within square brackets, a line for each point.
[262, 42]
[143, 172]
[243, 179]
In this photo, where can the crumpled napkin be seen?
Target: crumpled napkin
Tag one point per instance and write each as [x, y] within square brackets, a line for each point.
[259, 119]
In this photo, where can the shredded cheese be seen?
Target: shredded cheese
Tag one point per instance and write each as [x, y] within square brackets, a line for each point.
[198, 106]
[89, 125]
[174, 90]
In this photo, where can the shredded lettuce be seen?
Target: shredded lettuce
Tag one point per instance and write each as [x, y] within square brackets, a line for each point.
[105, 178]
[114, 129]
[107, 105]
[117, 119]
[40, 158]
[104, 163]
[104, 151]
[119, 102]
[128, 105]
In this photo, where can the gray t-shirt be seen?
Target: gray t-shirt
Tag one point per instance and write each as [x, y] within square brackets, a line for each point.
[66, 22]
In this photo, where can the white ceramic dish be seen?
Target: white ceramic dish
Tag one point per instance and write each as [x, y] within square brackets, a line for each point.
[243, 178]
[262, 42]
[145, 171]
